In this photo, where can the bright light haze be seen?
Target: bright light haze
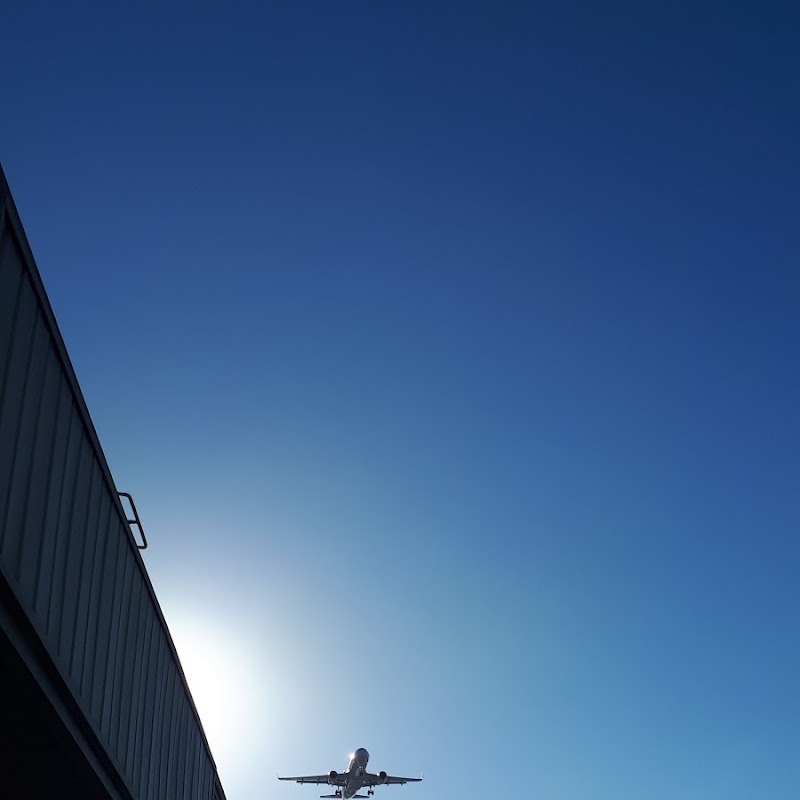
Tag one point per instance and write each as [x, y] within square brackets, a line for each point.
[450, 353]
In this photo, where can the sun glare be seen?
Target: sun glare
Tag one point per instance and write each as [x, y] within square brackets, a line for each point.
[223, 683]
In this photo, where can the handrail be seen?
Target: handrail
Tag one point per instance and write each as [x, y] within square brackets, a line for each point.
[135, 521]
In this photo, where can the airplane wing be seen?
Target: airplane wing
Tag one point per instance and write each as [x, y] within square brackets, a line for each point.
[376, 780]
[338, 781]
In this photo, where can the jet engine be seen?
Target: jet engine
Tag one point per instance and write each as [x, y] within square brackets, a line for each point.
[332, 776]
[382, 776]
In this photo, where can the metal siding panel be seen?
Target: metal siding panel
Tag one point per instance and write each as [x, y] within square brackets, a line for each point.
[175, 740]
[23, 457]
[180, 747]
[156, 691]
[35, 433]
[128, 656]
[165, 737]
[183, 750]
[108, 717]
[206, 785]
[201, 767]
[86, 565]
[52, 508]
[92, 649]
[197, 764]
[10, 277]
[139, 663]
[186, 753]
[11, 395]
[176, 767]
[29, 554]
[174, 730]
[201, 792]
[35, 482]
[118, 650]
[142, 698]
[85, 654]
[154, 772]
[198, 759]
[77, 535]
[209, 780]
[191, 762]
[62, 533]
[105, 616]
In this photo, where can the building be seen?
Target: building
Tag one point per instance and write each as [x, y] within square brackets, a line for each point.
[93, 701]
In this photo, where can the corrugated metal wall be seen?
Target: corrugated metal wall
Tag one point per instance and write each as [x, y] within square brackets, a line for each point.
[68, 555]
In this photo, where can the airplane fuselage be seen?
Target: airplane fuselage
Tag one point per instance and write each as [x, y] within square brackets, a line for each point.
[356, 768]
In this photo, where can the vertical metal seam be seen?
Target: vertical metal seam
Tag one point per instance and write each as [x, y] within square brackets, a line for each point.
[82, 450]
[136, 675]
[102, 532]
[11, 338]
[59, 512]
[169, 744]
[166, 729]
[84, 586]
[40, 554]
[140, 692]
[191, 765]
[183, 750]
[153, 688]
[113, 645]
[128, 643]
[117, 671]
[158, 689]
[188, 781]
[174, 740]
[29, 478]
[107, 582]
[65, 520]
[15, 448]
[91, 557]
[82, 536]
[129, 661]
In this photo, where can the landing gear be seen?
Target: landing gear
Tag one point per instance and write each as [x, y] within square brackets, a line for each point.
[370, 792]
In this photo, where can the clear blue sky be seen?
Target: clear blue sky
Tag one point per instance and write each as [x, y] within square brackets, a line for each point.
[450, 352]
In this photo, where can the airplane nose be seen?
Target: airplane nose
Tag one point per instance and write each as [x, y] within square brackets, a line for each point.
[362, 755]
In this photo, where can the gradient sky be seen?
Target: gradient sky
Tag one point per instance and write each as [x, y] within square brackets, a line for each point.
[450, 352]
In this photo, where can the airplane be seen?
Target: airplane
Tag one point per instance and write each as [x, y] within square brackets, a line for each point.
[356, 777]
